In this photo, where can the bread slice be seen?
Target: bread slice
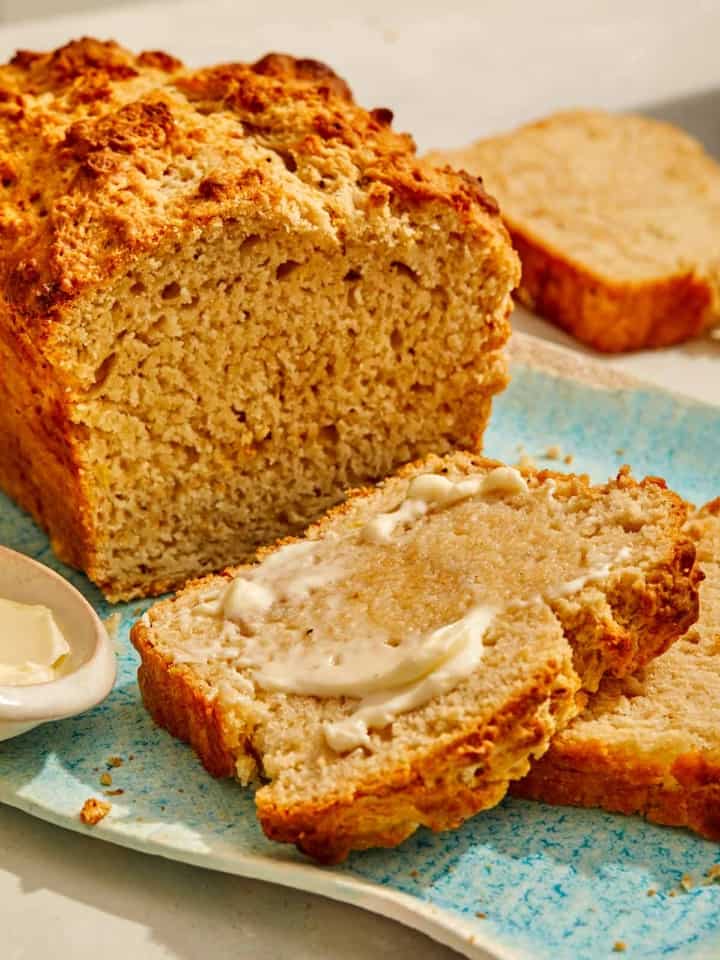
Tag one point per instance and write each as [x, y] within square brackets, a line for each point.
[650, 743]
[579, 581]
[226, 296]
[616, 220]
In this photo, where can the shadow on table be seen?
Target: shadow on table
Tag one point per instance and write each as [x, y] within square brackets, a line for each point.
[522, 320]
[190, 912]
[158, 790]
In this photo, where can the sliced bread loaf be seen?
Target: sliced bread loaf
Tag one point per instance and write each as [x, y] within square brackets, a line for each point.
[616, 220]
[402, 663]
[650, 743]
[227, 295]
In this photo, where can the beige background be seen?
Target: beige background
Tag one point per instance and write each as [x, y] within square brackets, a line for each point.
[13, 10]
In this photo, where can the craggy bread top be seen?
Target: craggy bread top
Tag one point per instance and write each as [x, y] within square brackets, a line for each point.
[105, 154]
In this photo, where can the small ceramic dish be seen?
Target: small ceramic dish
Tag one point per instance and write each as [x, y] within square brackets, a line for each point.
[88, 673]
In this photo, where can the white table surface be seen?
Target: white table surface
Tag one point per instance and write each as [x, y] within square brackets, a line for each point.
[451, 71]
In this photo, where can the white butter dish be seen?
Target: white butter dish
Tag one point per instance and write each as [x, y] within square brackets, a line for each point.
[87, 675]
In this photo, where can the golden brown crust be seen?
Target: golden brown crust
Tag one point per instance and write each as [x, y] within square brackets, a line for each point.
[116, 124]
[656, 615]
[593, 775]
[610, 316]
[177, 701]
[40, 462]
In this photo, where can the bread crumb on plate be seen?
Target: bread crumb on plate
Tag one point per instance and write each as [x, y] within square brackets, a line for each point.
[112, 624]
[94, 810]
[526, 462]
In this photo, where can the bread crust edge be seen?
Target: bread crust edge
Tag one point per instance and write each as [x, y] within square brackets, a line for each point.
[684, 793]
[610, 316]
[432, 790]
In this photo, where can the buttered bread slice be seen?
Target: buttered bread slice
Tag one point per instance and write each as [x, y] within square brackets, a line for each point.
[401, 664]
[650, 743]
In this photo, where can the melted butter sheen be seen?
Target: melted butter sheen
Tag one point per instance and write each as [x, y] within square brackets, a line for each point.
[32, 646]
[388, 679]
[462, 650]
[432, 490]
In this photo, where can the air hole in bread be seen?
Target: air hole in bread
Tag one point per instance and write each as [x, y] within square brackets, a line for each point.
[352, 275]
[103, 371]
[158, 329]
[286, 268]
[633, 524]
[405, 270]
[288, 159]
[138, 288]
[171, 290]
[329, 433]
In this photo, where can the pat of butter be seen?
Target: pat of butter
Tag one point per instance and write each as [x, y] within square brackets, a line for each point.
[32, 645]
[430, 491]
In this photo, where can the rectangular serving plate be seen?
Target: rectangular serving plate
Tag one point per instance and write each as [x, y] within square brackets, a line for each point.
[550, 883]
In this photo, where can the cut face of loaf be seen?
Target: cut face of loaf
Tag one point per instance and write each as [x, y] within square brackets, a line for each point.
[401, 664]
[616, 220]
[227, 296]
[650, 743]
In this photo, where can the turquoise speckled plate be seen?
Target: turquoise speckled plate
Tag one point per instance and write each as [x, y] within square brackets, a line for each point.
[522, 881]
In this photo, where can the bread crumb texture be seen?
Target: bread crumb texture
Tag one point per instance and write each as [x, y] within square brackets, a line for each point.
[650, 743]
[226, 296]
[94, 810]
[617, 222]
[441, 763]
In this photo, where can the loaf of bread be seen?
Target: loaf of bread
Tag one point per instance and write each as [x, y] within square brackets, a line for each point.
[650, 743]
[401, 665]
[226, 295]
[617, 223]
